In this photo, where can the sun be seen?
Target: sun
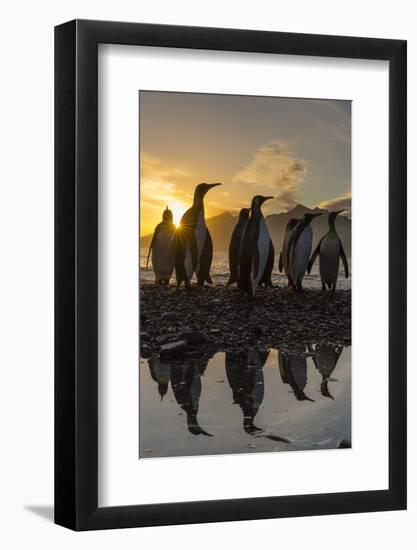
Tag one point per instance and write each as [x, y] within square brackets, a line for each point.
[177, 208]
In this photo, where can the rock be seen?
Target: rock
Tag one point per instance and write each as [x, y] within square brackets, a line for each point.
[193, 337]
[145, 351]
[344, 444]
[170, 316]
[173, 349]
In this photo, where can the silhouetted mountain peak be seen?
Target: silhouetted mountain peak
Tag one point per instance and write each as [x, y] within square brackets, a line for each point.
[298, 211]
[221, 227]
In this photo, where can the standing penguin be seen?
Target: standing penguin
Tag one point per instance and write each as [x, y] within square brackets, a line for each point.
[234, 247]
[283, 257]
[330, 250]
[299, 250]
[255, 249]
[194, 244]
[163, 247]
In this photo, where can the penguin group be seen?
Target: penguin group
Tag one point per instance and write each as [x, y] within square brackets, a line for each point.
[251, 252]
[189, 248]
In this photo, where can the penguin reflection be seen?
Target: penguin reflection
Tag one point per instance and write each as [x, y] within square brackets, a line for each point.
[186, 385]
[325, 362]
[293, 370]
[160, 373]
[246, 379]
[244, 371]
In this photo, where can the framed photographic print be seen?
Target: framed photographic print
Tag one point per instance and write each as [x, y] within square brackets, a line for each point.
[230, 275]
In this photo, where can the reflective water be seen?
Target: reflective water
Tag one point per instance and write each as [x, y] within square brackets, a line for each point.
[246, 401]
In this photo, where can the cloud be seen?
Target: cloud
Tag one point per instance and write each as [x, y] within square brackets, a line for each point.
[342, 202]
[161, 182]
[276, 170]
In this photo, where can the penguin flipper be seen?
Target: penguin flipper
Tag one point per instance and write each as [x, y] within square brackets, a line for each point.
[280, 262]
[314, 256]
[155, 233]
[344, 260]
[180, 250]
[266, 277]
[292, 243]
[255, 262]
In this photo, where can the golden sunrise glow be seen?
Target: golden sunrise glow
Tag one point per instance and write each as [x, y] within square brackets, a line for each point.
[276, 149]
[177, 208]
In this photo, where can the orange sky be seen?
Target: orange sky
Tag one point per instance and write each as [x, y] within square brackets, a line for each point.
[293, 149]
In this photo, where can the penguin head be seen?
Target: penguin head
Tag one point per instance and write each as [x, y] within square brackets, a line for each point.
[202, 189]
[258, 201]
[167, 215]
[308, 218]
[333, 215]
[244, 214]
[292, 223]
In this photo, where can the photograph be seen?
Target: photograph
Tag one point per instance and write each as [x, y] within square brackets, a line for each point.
[245, 274]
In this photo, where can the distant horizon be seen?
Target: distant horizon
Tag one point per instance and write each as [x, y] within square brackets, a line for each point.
[345, 214]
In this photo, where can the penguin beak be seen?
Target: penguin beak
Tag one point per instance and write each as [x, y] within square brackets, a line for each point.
[338, 212]
[266, 199]
[315, 215]
[211, 185]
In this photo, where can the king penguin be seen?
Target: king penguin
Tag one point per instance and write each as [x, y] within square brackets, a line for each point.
[163, 246]
[255, 249]
[283, 257]
[194, 245]
[330, 250]
[234, 247]
[299, 250]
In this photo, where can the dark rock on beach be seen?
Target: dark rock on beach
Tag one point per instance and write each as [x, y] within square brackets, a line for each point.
[173, 349]
[193, 337]
[221, 319]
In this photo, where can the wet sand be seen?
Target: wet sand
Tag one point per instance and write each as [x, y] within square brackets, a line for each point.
[226, 397]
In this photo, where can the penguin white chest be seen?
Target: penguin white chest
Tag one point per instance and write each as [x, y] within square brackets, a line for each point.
[301, 255]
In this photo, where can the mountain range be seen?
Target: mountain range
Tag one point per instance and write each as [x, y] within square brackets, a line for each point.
[221, 228]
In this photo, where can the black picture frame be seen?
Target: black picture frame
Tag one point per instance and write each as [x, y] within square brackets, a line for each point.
[76, 271]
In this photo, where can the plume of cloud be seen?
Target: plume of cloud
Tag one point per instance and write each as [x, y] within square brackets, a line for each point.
[276, 170]
[342, 202]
